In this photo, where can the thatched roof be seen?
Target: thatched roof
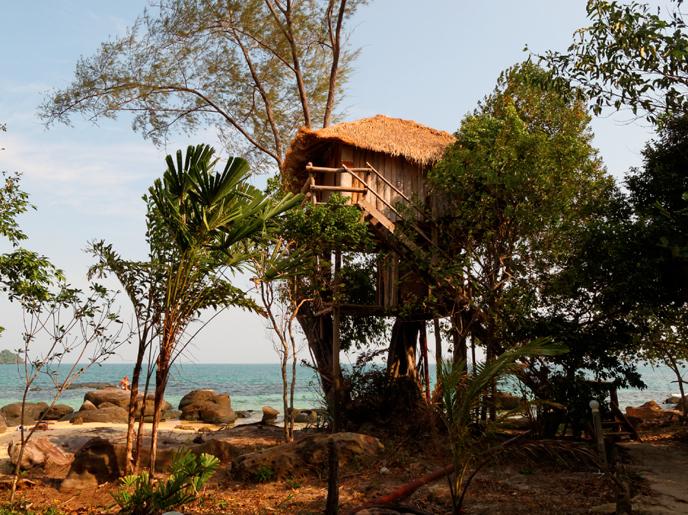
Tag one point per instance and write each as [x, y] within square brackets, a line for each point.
[418, 144]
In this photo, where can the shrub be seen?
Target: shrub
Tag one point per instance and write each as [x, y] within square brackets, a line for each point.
[188, 474]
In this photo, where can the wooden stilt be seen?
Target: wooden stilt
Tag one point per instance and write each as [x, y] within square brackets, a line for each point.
[423, 336]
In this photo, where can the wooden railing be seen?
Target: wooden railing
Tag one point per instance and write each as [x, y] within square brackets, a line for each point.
[311, 187]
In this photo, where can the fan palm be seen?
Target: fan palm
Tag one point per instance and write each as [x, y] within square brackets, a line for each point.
[462, 394]
[199, 221]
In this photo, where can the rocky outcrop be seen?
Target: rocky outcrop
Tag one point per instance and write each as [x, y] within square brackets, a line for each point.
[650, 413]
[269, 415]
[308, 454]
[87, 406]
[99, 460]
[95, 463]
[304, 416]
[39, 452]
[57, 412]
[32, 412]
[114, 396]
[108, 414]
[207, 406]
[508, 401]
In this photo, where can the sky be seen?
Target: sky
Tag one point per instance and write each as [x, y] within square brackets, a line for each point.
[429, 61]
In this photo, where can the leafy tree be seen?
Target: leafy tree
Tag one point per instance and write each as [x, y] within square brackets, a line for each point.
[666, 343]
[256, 70]
[319, 233]
[24, 275]
[519, 182]
[66, 331]
[629, 56]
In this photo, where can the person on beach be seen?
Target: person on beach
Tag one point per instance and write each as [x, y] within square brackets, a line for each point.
[124, 383]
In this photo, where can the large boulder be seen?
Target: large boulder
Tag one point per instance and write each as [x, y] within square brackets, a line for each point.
[98, 461]
[308, 454]
[675, 398]
[32, 412]
[269, 415]
[88, 406]
[57, 412]
[111, 395]
[39, 452]
[110, 414]
[207, 406]
[508, 401]
[304, 416]
[649, 413]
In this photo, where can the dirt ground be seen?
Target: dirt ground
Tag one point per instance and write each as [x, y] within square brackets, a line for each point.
[512, 487]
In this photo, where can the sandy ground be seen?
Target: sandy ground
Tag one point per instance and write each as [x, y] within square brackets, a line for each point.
[664, 466]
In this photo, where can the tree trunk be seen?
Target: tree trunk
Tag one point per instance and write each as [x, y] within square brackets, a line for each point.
[401, 359]
[318, 332]
[131, 419]
[459, 339]
[438, 348]
[161, 375]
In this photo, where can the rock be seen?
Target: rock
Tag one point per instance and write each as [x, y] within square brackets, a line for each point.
[111, 395]
[269, 415]
[108, 414]
[39, 452]
[304, 416]
[97, 386]
[57, 412]
[32, 412]
[674, 399]
[87, 406]
[207, 406]
[3, 423]
[507, 401]
[649, 413]
[172, 414]
[98, 461]
[244, 414]
[307, 454]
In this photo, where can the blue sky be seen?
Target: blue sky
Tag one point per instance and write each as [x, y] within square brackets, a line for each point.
[430, 61]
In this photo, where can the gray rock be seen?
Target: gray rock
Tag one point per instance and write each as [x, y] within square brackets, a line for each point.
[32, 412]
[308, 454]
[111, 395]
[113, 414]
[88, 406]
[269, 415]
[207, 406]
[97, 462]
[57, 412]
[38, 452]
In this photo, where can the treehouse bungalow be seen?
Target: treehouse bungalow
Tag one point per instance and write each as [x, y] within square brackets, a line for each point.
[380, 164]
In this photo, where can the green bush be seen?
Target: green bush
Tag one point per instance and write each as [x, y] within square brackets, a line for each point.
[188, 474]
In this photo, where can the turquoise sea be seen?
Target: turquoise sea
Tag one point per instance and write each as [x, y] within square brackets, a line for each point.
[255, 385]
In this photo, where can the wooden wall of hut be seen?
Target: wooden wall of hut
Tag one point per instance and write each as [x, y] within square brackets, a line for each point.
[407, 177]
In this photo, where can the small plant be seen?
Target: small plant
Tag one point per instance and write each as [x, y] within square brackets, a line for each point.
[188, 474]
[293, 484]
[264, 474]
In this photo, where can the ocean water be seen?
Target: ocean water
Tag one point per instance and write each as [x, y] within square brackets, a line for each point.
[249, 386]
[255, 385]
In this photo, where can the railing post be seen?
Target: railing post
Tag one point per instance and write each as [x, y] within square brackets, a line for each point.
[597, 429]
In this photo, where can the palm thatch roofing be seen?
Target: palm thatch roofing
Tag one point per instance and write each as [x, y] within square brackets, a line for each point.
[416, 143]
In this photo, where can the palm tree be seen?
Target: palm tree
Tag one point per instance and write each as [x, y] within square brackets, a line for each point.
[462, 391]
[199, 223]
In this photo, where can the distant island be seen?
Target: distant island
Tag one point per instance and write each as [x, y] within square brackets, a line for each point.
[9, 358]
